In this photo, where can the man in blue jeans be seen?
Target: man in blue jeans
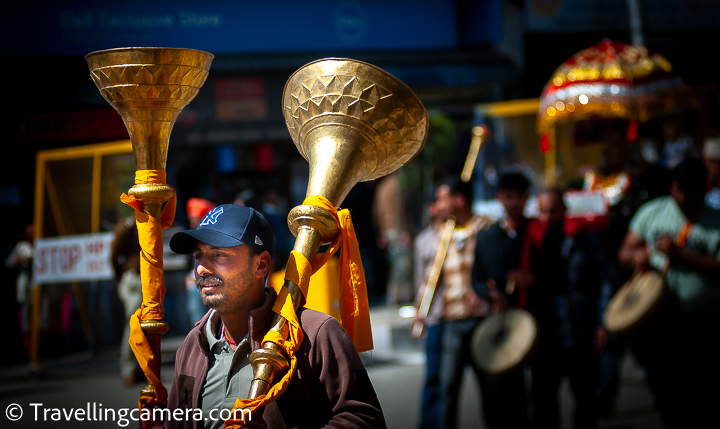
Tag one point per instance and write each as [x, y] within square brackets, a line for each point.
[424, 250]
[454, 302]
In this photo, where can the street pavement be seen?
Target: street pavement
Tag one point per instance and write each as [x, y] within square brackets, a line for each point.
[87, 385]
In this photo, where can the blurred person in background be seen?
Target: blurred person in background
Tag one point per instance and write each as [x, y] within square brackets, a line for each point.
[462, 308]
[497, 259]
[21, 257]
[389, 215]
[678, 144]
[568, 293]
[679, 235]
[19, 263]
[197, 208]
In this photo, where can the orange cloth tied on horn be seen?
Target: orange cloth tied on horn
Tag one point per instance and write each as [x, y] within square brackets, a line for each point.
[153, 284]
[354, 308]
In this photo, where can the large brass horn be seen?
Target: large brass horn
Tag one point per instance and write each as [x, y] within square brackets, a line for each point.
[353, 122]
[149, 87]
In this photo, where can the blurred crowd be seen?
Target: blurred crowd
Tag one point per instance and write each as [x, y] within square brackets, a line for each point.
[565, 273]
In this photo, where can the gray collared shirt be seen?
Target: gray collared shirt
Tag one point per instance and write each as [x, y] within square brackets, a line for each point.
[229, 375]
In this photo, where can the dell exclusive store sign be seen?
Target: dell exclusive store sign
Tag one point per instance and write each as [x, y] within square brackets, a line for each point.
[221, 27]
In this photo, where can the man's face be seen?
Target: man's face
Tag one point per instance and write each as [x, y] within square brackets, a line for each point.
[444, 202]
[226, 276]
[552, 211]
[513, 201]
[689, 203]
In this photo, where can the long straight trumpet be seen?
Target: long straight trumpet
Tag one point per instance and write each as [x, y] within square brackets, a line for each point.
[433, 278]
[480, 135]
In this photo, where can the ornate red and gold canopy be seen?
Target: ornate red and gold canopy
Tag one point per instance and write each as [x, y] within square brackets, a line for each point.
[611, 80]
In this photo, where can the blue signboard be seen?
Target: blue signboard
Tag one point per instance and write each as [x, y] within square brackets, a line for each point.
[223, 27]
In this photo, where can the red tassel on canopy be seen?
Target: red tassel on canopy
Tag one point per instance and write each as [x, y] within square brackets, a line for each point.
[631, 134]
[544, 143]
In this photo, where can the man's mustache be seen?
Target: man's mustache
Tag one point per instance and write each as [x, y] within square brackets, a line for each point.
[208, 279]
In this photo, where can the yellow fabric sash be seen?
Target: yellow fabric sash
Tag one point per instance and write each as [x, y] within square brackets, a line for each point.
[153, 285]
[354, 309]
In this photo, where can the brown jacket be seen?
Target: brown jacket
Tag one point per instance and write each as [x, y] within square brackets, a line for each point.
[330, 388]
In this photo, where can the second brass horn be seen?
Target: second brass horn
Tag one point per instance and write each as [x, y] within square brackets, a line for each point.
[353, 122]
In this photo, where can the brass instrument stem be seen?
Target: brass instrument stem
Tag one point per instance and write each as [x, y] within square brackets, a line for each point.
[434, 276]
[153, 329]
[353, 122]
[307, 243]
[479, 136]
[149, 87]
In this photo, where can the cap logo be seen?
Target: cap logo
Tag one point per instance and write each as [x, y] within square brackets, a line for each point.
[212, 217]
[258, 241]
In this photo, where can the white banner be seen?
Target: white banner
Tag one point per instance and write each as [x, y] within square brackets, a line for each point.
[73, 258]
[585, 204]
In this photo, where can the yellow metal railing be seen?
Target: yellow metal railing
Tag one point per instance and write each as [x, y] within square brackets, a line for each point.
[49, 185]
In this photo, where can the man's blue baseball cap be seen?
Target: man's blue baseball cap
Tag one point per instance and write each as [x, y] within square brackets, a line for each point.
[228, 225]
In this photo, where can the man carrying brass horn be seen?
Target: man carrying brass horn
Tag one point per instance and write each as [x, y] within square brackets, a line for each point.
[232, 249]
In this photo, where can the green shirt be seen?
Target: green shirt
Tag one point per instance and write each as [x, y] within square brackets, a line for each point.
[229, 375]
[663, 216]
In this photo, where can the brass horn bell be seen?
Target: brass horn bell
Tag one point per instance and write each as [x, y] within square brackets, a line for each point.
[353, 122]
